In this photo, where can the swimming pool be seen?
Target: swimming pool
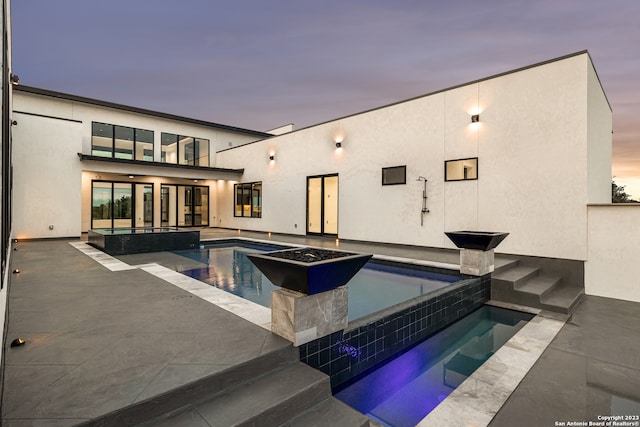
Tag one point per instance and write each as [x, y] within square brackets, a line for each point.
[403, 391]
[373, 288]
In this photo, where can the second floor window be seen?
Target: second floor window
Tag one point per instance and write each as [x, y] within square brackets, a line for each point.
[184, 150]
[121, 142]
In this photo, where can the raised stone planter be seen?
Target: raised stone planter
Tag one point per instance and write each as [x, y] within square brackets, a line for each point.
[308, 270]
[477, 256]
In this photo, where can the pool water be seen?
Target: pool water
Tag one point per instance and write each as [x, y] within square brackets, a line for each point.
[404, 391]
[373, 288]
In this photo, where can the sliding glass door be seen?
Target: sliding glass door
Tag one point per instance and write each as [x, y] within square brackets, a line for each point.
[184, 205]
[121, 204]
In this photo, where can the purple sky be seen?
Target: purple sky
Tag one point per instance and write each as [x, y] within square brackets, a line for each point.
[261, 64]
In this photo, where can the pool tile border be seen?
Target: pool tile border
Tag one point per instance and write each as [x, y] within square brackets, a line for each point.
[370, 341]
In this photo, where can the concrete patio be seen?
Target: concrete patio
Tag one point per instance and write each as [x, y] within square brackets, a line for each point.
[124, 347]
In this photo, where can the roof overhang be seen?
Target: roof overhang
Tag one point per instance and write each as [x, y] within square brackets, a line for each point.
[139, 167]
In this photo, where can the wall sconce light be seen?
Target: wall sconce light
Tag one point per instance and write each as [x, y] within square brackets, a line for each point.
[17, 342]
[475, 118]
[338, 144]
[15, 80]
[14, 123]
[272, 157]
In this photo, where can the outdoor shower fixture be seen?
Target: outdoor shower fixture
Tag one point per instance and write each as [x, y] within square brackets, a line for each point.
[424, 200]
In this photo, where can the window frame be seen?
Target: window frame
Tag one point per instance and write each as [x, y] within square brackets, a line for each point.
[132, 207]
[195, 141]
[446, 179]
[135, 142]
[404, 178]
[254, 209]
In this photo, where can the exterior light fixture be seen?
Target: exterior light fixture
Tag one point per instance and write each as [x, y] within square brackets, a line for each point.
[475, 118]
[17, 342]
[131, 176]
[16, 271]
[272, 157]
[15, 80]
[338, 144]
[195, 180]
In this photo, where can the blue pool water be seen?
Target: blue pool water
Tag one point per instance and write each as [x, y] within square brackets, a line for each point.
[373, 288]
[403, 391]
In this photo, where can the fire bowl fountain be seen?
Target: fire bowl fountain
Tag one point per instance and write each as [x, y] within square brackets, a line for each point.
[479, 240]
[309, 270]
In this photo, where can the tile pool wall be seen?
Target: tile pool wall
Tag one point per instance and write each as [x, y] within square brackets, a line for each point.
[367, 342]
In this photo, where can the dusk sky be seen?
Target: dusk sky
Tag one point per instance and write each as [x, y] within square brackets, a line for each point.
[261, 64]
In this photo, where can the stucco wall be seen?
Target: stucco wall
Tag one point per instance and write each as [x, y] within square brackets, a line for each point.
[88, 113]
[599, 129]
[46, 177]
[610, 270]
[531, 141]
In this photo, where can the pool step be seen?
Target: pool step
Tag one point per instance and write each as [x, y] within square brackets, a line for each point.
[531, 286]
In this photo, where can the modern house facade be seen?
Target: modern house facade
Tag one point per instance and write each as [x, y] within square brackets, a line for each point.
[526, 152]
[117, 166]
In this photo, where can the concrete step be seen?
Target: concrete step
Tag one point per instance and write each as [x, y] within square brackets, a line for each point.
[157, 409]
[331, 412]
[270, 400]
[516, 275]
[562, 299]
[539, 285]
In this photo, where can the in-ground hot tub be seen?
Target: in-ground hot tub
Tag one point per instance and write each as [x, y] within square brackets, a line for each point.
[123, 241]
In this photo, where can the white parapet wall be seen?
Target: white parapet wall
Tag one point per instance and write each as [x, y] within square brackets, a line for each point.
[541, 130]
[611, 269]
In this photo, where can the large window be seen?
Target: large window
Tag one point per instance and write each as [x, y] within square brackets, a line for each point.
[461, 169]
[117, 204]
[248, 200]
[184, 150]
[121, 142]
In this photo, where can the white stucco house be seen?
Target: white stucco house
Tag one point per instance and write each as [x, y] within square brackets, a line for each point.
[527, 152]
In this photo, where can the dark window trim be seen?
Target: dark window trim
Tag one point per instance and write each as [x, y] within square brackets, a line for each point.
[208, 224]
[404, 180]
[463, 179]
[321, 233]
[235, 199]
[194, 138]
[133, 200]
[135, 140]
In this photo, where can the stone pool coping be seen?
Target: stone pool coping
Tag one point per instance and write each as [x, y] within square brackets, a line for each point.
[479, 398]
[475, 402]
